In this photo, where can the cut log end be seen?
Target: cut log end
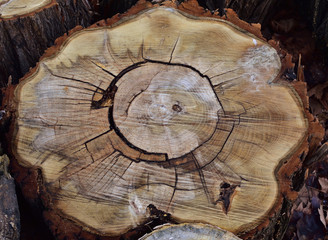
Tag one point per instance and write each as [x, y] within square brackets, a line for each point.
[163, 109]
[190, 232]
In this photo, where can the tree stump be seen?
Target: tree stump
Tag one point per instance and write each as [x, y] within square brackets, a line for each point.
[161, 108]
[29, 27]
[189, 232]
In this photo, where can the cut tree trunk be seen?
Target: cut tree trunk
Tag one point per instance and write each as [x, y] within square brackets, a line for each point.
[165, 109]
[28, 27]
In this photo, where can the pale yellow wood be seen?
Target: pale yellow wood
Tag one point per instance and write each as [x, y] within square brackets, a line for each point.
[164, 109]
[173, 104]
[14, 8]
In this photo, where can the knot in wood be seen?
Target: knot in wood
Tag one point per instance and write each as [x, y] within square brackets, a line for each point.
[177, 108]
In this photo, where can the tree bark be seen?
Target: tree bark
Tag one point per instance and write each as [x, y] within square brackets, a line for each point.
[167, 109]
[256, 11]
[26, 31]
[315, 12]
[253, 11]
[108, 8]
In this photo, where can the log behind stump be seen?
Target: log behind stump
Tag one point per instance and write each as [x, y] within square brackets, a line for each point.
[27, 28]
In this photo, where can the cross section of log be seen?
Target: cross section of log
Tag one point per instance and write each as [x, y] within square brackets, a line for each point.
[28, 27]
[163, 109]
[189, 232]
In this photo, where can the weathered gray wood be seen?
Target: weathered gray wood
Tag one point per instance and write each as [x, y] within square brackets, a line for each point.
[9, 212]
[187, 231]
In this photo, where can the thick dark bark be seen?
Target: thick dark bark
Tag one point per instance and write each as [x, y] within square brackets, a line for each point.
[107, 8]
[255, 11]
[24, 39]
[9, 64]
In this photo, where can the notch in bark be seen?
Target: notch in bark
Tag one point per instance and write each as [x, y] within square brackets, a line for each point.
[166, 109]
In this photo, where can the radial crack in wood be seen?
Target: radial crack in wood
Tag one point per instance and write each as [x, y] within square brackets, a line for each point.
[162, 109]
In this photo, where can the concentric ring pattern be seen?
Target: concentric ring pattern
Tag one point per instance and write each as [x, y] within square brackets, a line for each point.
[164, 109]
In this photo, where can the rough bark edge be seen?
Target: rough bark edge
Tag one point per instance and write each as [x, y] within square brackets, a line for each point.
[287, 174]
[278, 217]
[290, 169]
[23, 48]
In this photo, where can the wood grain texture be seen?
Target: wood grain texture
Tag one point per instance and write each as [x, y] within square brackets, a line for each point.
[190, 232]
[161, 108]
